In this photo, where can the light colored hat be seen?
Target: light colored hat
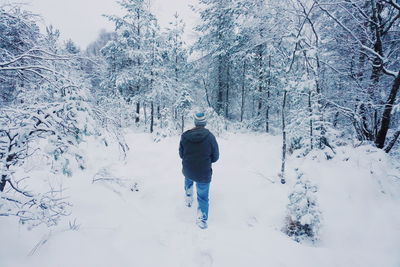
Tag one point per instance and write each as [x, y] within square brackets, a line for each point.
[200, 119]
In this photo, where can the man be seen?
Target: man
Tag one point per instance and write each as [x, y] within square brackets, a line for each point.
[198, 149]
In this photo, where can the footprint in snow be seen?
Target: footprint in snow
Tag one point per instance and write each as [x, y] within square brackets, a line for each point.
[205, 259]
[252, 221]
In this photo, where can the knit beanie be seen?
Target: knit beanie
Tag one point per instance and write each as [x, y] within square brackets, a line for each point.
[200, 119]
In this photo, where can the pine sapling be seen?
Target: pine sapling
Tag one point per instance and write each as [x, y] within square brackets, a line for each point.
[304, 218]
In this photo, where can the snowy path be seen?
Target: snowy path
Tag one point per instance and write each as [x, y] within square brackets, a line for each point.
[152, 227]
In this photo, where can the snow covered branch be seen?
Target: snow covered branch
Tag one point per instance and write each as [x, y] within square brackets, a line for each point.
[393, 3]
[30, 54]
[371, 51]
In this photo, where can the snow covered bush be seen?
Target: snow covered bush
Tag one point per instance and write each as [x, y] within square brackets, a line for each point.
[304, 218]
[216, 123]
[34, 132]
[43, 137]
[113, 114]
[45, 113]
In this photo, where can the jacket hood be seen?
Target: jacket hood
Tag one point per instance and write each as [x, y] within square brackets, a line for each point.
[196, 135]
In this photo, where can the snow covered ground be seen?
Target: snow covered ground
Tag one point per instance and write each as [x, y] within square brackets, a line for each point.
[359, 197]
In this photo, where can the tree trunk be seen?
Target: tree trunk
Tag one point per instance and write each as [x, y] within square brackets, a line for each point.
[137, 112]
[227, 92]
[335, 119]
[282, 174]
[138, 62]
[3, 182]
[161, 119]
[377, 67]
[220, 85]
[378, 48]
[145, 113]
[152, 117]
[243, 90]
[385, 121]
[253, 106]
[183, 122]
[207, 96]
[260, 59]
[310, 112]
[268, 97]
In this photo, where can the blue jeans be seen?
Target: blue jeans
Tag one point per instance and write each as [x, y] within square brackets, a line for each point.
[202, 196]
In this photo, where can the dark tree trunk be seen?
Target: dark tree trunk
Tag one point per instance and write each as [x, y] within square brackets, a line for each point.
[378, 48]
[243, 90]
[138, 64]
[137, 112]
[283, 138]
[385, 122]
[377, 68]
[268, 97]
[152, 117]
[227, 92]
[253, 106]
[220, 85]
[183, 122]
[3, 182]
[335, 119]
[260, 78]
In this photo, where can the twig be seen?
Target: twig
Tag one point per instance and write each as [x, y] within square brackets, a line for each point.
[265, 177]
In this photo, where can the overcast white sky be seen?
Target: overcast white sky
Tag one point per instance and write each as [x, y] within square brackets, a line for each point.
[82, 20]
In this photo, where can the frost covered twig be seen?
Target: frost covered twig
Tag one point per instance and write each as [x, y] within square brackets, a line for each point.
[72, 226]
[103, 175]
[265, 177]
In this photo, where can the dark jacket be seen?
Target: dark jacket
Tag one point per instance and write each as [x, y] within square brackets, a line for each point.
[198, 149]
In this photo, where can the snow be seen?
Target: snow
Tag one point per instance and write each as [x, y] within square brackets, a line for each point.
[358, 195]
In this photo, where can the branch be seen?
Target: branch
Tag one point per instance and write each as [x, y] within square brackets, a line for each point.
[386, 30]
[19, 191]
[338, 22]
[28, 67]
[393, 3]
[346, 111]
[366, 16]
[34, 69]
[392, 142]
[389, 72]
[298, 35]
[27, 54]
[362, 46]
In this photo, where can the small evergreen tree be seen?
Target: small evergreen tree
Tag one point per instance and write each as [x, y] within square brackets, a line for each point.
[183, 105]
[304, 218]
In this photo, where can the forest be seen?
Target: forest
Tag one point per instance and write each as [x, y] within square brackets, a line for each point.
[318, 79]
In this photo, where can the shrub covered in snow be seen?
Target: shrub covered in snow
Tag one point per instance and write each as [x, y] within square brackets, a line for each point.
[48, 133]
[44, 115]
[304, 218]
[216, 123]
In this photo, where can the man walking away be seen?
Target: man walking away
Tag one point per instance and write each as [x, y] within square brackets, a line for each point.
[198, 149]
